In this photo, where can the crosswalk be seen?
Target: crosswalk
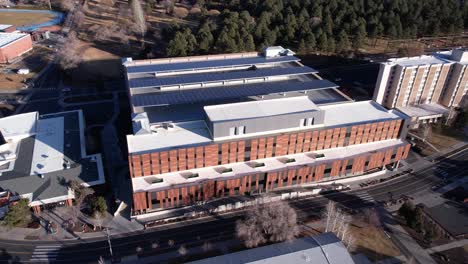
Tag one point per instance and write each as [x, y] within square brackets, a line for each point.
[365, 197]
[45, 253]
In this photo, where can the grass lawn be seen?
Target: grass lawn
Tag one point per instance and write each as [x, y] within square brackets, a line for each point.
[373, 243]
[20, 19]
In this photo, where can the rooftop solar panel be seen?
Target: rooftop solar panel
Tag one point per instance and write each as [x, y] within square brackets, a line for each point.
[221, 93]
[167, 67]
[216, 77]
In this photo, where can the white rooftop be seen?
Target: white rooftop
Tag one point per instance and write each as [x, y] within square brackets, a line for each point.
[7, 38]
[417, 61]
[321, 249]
[357, 112]
[48, 146]
[4, 26]
[18, 126]
[197, 133]
[424, 110]
[255, 109]
[182, 134]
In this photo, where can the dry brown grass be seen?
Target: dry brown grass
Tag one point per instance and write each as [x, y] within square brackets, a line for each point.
[97, 62]
[213, 12]
[20, 19]
[195, 10]
[181, 12]
[373, 243]
[442, 141]
[13, 81]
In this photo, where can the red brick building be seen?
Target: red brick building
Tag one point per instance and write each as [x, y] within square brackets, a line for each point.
[236, 136]
[13, 45]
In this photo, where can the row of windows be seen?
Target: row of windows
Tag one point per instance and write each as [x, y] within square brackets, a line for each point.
[241, 130]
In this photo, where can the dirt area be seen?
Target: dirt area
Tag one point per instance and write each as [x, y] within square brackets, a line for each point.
[34, 60]
[13, 81]
[97, 62]
[442, 141]
[385, 46]
[455, 255]
[441, 137]
[20, 19]
[373, 242]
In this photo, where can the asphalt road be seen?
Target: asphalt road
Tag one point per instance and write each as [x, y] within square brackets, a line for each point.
[222, 227]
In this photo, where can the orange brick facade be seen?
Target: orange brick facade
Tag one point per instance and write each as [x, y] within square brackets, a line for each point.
[259, 148]
[264, 182]
[11, 51]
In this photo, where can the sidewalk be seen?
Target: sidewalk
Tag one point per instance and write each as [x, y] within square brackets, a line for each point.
[454, 244]
[404, 240]
[120, 225]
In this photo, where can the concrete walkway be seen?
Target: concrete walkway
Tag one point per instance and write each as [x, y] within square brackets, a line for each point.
[403, 240]
[454, 244]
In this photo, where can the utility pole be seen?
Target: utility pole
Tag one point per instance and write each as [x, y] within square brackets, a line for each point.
[108, 241]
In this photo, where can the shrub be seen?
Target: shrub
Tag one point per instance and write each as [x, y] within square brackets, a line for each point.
[99, 205]
[18, 215]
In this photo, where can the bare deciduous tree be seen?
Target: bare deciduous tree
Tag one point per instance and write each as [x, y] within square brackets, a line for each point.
[78, 18]
[99, 219]
[268, 222]
[373, 218]
[68, 54]
[139, 17]
[67, 5]
[328, 214]
[337, 221]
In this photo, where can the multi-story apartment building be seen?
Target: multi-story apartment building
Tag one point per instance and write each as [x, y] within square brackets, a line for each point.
[424, 87]
[245, 123]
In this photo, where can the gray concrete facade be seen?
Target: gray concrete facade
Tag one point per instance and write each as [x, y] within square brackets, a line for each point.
[267, 123]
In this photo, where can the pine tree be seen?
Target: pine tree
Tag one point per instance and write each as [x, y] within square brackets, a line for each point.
[343, 42]
[177, 46]
[331, 45]
[311, 43]
[323, 42]
[205, 38]
[249, 43]
[191, 41]
[18, 214]
[302, 49]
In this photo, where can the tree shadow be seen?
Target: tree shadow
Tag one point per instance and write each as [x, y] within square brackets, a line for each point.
[374, 256]
[7, 257]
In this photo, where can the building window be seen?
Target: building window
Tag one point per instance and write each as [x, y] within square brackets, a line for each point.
[307, 122]
[234, 131]
[303, 122]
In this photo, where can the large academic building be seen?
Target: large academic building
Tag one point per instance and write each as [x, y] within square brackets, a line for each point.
[227, 125]
[424, 87]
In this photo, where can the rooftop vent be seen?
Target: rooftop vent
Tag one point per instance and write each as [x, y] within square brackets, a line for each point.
[167, 126]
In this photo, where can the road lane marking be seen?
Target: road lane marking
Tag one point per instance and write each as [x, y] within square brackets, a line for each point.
[45, 253]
